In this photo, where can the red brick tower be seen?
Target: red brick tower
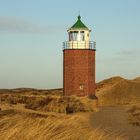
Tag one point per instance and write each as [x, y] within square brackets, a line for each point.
[79, 61]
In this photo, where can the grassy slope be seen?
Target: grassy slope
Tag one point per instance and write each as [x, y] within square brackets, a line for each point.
[121, 92]
[26, 124]
[31, 125]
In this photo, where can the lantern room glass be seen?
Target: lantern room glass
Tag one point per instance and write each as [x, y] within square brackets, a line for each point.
[76, 36]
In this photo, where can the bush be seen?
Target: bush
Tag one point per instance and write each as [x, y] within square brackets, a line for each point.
[11, 100]
[38, 103]
[59, 104]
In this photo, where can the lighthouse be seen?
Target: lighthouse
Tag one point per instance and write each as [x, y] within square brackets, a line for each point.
[79, 61]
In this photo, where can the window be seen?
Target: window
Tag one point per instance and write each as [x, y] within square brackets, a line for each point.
[81, 87]
[82, 36]
[73, 36]
[76, 36]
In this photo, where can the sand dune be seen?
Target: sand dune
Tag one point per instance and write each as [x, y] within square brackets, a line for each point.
[137, 79]
[32, 114]
[119, 91]
[108, 83]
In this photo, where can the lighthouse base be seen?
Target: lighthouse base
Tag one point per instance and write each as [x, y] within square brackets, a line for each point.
[79, 72]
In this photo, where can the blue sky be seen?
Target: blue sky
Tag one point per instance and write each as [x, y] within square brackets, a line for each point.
[32, 32]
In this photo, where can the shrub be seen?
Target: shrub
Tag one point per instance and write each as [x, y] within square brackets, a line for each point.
[38, 103]
[59, 104]
[11, 100]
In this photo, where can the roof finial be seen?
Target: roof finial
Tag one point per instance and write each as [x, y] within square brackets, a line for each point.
[79, 17]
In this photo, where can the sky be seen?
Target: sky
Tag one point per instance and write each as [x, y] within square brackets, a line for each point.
[32, 32]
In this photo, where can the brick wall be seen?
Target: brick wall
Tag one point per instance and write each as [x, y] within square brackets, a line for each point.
[79, 72]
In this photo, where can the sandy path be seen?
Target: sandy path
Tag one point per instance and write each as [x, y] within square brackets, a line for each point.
[115, 119]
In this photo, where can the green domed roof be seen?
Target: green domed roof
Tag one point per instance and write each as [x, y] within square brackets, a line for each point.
[79, 24]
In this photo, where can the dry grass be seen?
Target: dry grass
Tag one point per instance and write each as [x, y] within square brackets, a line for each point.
[51, 103]
[59, 103]
[44, 117]
[31, 91]
[134, 115]
[108, 83]
[16, 98]
[35, 126]
[120, 93]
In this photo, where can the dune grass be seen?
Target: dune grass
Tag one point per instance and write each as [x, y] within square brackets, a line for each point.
[35, 126]
[51, 103]
[123, 92]
[44, 116]
[134, 115]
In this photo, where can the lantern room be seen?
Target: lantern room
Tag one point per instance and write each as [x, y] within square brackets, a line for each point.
[79, 37]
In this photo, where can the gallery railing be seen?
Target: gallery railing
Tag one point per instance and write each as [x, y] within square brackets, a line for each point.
[79, 45]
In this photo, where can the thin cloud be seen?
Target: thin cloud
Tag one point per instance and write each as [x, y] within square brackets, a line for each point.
[12, 24]
[129, 52]
[128, 55]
